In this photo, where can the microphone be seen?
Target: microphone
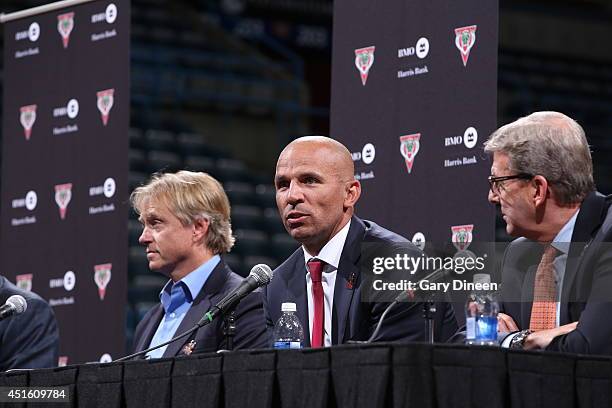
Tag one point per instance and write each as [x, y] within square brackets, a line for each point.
[436, 276]
[260, 275]
[14, 305]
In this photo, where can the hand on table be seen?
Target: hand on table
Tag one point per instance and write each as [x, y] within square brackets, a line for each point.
[505, 324]
[541, 339]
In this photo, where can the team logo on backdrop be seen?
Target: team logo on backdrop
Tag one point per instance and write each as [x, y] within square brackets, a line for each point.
[27, 117]
[63, 194]
[462, 236]
[102, 275]
[24, 282]
[65, 24]
[62, 361]
[105, 103]
[409, 147]
[364, 59]
[465, 38]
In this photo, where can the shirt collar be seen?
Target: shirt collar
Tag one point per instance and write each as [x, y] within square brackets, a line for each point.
[564, 237]
[332, 250]
[191, 283]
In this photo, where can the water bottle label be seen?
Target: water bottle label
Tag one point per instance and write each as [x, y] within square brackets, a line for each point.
[470, 327]
[487, 329]
[287, 344]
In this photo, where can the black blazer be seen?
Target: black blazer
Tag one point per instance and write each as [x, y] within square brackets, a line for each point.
[586, 294]
[250, 323]
[353, 319]
[31, 339]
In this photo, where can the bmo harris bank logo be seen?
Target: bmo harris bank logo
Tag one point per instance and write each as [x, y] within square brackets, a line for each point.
[367, 156]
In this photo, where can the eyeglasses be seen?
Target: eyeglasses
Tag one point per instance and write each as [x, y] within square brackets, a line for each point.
[495, 183]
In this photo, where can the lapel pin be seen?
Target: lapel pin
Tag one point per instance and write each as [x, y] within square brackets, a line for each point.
[351, 282]
[188, 348]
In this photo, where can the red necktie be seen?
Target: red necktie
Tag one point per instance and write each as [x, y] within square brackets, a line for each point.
[316, 270]
[544, 308]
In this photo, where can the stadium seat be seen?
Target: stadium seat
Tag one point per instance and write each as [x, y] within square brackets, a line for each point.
[240, 193]
[251, 242]
[200, 163]
[283, 245]
[160, 140]
[246, 217]
[271, 221]
[161, 161]
[265, 195]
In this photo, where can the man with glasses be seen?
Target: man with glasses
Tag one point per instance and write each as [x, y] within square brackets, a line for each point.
[557, 276]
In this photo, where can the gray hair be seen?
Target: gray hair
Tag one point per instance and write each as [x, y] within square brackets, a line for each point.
[552, 145]
[190, 196]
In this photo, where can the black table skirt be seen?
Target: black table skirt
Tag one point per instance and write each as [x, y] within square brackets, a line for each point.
[379, 375]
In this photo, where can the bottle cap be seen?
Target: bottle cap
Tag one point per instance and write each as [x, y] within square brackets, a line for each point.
[288, 307]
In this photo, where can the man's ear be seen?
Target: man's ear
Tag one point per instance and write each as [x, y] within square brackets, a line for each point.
[353, 192]
[200, 229]
[541, 191]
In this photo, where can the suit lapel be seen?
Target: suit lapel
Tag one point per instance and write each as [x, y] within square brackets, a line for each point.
[201, 305]
[527, 296]
[592, 213]
[151, 328]
[348, 273]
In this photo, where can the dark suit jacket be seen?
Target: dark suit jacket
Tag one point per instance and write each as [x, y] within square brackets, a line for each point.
[250, 323]
[31, 339]
[586, 294]
[353, 319]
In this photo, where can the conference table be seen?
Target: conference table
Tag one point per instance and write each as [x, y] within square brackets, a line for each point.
[374, 375]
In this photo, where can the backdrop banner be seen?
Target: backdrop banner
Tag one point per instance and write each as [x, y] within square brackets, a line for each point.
[414, 96]
[64, 168]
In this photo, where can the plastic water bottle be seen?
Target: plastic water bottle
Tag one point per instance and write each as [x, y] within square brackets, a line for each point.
[288, 332]
[481, 312]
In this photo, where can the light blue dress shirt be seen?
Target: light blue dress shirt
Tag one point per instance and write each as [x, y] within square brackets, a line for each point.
[176, 298]
[561, 242]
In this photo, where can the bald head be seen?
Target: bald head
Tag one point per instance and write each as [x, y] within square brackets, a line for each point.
[316, 190]
[327, 150]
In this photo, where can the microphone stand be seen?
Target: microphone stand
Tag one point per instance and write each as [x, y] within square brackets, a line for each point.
[180, 336]
[229, 329]
[429, 310]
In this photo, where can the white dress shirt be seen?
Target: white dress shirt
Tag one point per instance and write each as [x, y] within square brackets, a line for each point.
[330, 254]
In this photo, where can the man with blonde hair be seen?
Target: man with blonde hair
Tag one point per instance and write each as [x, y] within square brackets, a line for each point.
[557, 277]
[186, 229]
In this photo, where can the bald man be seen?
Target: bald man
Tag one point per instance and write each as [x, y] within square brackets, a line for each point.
[316, 192]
